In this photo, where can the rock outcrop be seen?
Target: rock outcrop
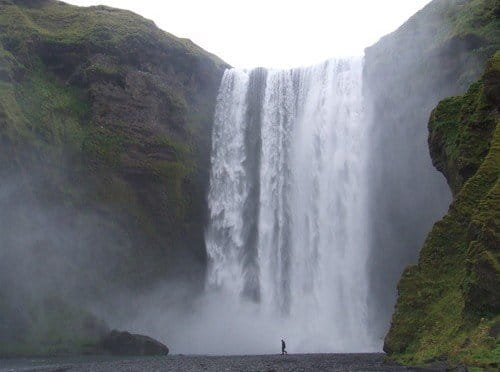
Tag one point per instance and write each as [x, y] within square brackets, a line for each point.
[449, 303]
[125, 343]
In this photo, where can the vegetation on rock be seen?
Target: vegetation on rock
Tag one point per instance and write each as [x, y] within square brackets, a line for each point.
[439, 52]
[449, 303]
[105, 124]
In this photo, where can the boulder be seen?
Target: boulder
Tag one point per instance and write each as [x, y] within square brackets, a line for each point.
[125, 343]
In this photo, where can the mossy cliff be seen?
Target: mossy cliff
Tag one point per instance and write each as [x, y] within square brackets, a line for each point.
[105, 125]
[447, 306]
[437, 53]
[449, 303]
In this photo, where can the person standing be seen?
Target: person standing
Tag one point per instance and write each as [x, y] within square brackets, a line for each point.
[283, 347]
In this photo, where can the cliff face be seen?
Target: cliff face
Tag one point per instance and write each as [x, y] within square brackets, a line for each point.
[437, 53]
[449, 303]
[105, 125]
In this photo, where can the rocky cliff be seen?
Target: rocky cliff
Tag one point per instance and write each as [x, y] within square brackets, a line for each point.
[105, 125]
[449, 303]
[437, 53]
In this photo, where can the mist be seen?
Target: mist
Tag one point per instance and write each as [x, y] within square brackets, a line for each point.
[217, 323]
[53, 260]
[70, 271]
[213, 323]
[285, 240]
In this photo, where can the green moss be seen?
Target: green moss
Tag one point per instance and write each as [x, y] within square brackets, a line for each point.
[478, 17]
[101, 26]
[55, 117]
[13, 122]
[57, 113]
[450, 300]
[461, 128]
[104, 145]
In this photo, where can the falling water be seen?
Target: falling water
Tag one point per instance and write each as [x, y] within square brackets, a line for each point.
[287, 202]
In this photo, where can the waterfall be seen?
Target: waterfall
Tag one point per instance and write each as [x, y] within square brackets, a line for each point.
[287, 201]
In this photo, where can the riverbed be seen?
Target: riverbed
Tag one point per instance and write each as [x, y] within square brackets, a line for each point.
[295, 362]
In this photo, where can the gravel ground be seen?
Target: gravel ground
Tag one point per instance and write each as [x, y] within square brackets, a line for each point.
[296, 362]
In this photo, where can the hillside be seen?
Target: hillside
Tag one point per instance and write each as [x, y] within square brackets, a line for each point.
[105, 125]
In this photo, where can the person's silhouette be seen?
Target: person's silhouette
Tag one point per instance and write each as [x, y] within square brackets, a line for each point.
[283, 347]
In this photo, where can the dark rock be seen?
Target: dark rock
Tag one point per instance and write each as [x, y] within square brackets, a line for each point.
[125, 343]
[494, 330]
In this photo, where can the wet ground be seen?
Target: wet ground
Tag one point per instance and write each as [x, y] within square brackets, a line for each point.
[267, 363]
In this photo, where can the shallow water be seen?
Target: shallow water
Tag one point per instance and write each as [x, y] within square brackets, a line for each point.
[295, 362]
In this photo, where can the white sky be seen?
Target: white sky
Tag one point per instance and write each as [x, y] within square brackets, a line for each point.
[274, 33]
